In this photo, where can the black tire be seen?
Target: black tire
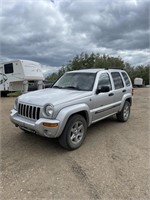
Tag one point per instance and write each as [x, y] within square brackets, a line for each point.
[124, 114]
[74, 133]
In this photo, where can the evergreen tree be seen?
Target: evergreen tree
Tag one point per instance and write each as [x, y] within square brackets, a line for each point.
[85, 61]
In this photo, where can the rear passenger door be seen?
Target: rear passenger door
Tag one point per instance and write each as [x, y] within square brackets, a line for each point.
[119, 89]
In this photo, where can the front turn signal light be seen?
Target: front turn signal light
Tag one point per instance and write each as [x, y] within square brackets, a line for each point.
[50, 124]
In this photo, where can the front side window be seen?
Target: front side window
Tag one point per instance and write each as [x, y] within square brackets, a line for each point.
[118, 83]
[104, 80]
[8, 68]
[76, 81]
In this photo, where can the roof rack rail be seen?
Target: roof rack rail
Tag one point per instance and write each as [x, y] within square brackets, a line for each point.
[106, 68]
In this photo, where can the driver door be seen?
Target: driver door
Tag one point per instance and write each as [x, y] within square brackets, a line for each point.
[103, 101]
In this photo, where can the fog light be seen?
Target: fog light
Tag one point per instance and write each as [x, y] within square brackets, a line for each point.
[47, 133]
[50, 124]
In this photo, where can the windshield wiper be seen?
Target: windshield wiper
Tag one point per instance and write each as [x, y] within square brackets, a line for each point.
[71, 87]
[67, 87]
[57, 87]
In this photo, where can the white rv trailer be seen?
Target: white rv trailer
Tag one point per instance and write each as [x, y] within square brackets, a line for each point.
[15, 75]
[138, 82]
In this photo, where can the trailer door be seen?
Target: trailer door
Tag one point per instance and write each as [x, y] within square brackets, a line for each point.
[3, 79]
[8, 75]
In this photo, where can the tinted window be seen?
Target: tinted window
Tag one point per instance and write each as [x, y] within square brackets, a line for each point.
[8, 68]
[126, 79]
[104, 80]
[117, 80]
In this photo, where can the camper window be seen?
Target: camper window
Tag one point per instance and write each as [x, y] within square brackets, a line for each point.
[8, 68]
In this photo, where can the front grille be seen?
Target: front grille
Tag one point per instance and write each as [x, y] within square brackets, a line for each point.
[28, 111]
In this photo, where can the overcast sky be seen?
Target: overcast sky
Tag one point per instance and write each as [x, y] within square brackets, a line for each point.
[53, 31]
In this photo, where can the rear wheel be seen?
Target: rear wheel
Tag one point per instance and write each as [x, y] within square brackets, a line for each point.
[74, 133]
[124, 114]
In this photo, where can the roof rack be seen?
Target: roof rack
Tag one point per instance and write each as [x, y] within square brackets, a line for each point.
[106, 68]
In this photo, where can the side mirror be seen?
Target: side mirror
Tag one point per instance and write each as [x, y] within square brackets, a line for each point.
[103, 89]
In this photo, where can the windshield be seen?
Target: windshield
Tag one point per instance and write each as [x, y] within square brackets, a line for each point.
[76, 81]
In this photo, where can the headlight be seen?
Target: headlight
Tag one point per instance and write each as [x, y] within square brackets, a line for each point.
[49, 110]
[16, 104]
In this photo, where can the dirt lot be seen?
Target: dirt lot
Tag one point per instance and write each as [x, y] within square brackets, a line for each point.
[112, 164]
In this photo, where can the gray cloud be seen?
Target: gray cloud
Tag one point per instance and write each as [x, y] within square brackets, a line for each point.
[52, 33]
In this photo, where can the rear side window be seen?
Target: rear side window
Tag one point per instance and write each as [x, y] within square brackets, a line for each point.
[8, 68]
[118, 83]
[126, 79]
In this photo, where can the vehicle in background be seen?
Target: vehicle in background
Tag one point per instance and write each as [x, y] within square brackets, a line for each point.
[16, 75]
[138, 82]
[34, 86]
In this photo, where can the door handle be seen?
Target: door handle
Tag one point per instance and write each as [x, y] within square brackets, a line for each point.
[111, 94]
[124, 90]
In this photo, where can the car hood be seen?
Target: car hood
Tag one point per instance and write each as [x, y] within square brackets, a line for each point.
[52, 96]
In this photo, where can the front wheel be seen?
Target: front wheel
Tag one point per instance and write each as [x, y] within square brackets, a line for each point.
[74, 133]
[124, 114]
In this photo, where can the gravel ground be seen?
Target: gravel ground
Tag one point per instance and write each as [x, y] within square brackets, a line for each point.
[112, 164]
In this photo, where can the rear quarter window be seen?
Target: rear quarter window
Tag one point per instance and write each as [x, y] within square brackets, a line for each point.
[126, 79]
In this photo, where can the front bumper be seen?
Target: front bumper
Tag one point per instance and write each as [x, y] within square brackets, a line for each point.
[35, 126]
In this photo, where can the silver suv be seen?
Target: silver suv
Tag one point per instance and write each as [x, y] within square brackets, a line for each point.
[77, 100]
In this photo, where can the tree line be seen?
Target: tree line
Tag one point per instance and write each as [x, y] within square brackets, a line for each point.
[85, 61]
